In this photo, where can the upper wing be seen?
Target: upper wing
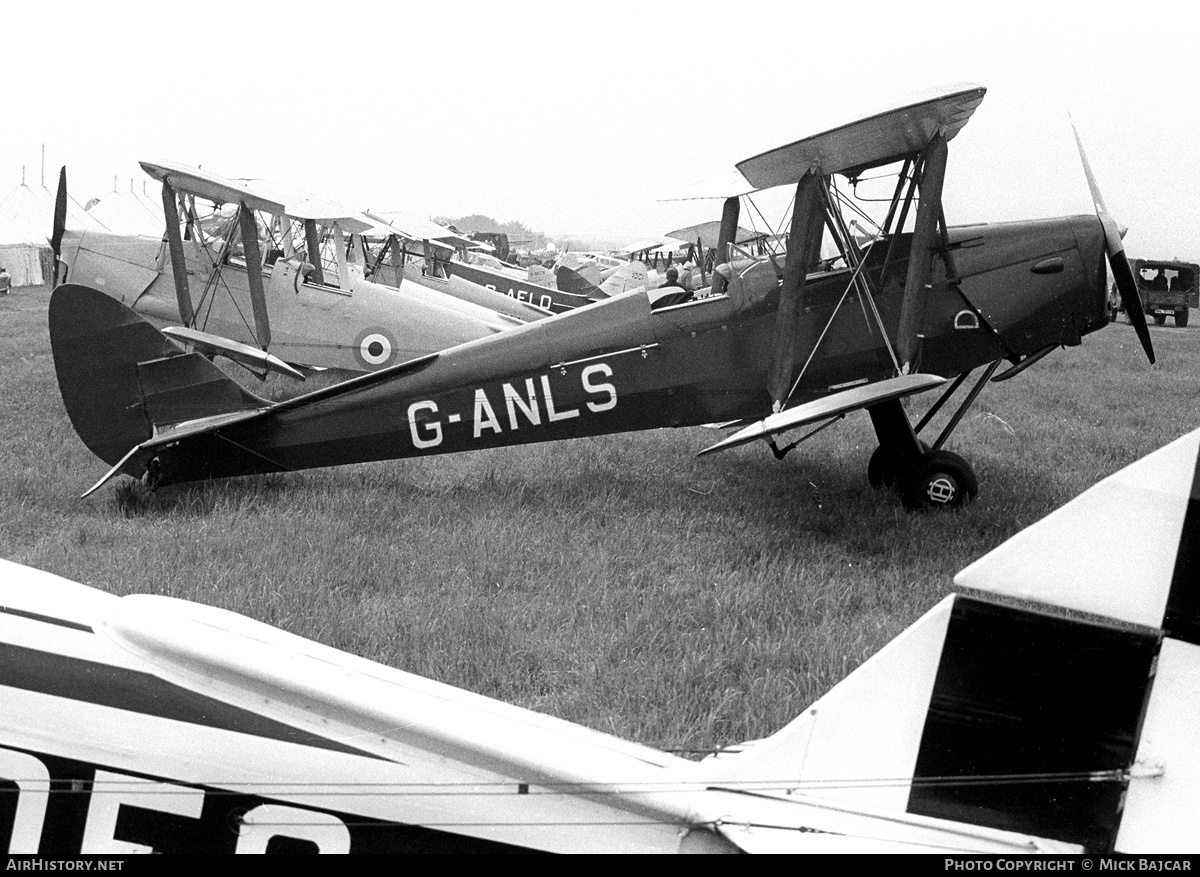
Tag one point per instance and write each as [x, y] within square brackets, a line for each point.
[411, 229]
[264, 195]
[708, 234]
[875, 140]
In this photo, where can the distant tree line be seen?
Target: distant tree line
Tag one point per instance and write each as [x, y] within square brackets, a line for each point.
[519, 235]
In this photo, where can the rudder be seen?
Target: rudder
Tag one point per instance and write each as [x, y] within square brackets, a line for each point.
[120, 378]
[97, 344]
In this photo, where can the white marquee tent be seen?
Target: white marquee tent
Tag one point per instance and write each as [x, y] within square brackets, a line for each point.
[130, 211]
[26, 221]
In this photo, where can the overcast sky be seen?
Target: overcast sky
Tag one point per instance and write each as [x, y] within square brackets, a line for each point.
[578, 119]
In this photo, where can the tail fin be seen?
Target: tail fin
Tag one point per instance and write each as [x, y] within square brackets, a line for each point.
[630, 276]
[1033, 720]
[570, 280]
[540, 275]
[121, 378]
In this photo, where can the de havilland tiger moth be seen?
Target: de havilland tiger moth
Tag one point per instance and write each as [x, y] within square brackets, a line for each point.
[235, 282]
[770, 348]
[1051, 710]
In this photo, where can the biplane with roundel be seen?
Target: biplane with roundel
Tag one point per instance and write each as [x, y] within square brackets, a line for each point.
[777, 343]
[998, 723]
[268, 276]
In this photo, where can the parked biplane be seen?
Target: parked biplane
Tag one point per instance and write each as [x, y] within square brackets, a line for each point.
[398, 250]
[270, 305]
[146, 723]
[771, 347]
[537, 287]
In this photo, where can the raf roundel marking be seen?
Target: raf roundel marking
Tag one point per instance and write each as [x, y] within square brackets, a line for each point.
[375, 347]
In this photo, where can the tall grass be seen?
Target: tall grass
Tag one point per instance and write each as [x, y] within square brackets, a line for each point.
[616, 581]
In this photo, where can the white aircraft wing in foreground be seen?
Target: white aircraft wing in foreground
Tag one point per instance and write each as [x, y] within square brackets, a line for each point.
[144, 723]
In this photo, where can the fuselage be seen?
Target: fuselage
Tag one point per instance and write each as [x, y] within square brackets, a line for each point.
[523, 290]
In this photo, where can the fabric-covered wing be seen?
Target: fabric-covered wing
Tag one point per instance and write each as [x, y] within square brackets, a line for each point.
[875, 140]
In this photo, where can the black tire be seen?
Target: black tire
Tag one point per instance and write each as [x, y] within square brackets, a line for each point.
[1181, 318]
[884, 467]
[940, 480]
[1112, 315]
[1159, 319]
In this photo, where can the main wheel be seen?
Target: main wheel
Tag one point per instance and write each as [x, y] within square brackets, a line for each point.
[885, 465]
[1181, 318]
[940, 480]
[1159, 319]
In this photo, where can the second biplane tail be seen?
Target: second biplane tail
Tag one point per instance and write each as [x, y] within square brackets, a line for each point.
[1061, 717]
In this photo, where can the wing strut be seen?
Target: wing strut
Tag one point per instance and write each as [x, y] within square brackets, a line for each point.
[920, 262]
[803, 248]
[258, 296]
[726, 236]
[178, 263]
[313, 242]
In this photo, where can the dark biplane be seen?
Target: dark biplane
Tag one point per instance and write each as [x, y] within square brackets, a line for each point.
[777, 343]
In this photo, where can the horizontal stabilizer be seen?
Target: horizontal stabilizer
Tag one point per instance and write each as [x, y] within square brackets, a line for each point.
[214, 345]
[134, 462]
[1079, 730]
[829, 406]
[1142, 508]
[979, 713]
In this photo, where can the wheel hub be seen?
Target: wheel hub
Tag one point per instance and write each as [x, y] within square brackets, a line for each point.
[941, 489]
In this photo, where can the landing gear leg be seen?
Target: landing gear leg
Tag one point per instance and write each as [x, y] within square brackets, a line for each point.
[899, 448]
[925, 477]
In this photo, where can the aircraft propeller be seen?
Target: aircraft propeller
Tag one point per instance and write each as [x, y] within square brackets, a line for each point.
[1117, 260]
[60, 220]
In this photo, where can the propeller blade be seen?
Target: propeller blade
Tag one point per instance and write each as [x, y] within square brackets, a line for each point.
[1117, 260]
[60, 220]
[1131, 299]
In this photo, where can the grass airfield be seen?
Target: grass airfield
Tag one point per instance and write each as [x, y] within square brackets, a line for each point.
[616, 581]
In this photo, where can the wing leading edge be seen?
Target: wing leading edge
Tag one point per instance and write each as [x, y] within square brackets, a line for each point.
[834, 405]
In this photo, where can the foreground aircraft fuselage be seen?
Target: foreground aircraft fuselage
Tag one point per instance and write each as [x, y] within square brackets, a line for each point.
[617, 365]
[1061, 724]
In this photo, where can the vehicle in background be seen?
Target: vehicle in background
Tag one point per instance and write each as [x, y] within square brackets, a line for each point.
[1167, 289]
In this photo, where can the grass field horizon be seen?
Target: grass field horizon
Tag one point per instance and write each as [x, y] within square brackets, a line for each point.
[617, 581]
